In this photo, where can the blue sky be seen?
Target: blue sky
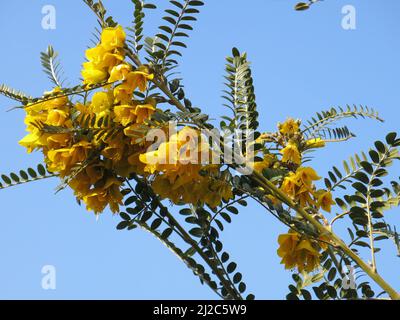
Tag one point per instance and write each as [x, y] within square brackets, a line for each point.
[302, 63]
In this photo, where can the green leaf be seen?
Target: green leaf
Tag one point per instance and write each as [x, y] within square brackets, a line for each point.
[6, 179]
[156, 223]
[237, 277]
[391, 138]
[226, 217]
[197, 232]
[360, 187]
[166, 233]
[332, 274]
[224, 257]
[130, 200]
[242, 287]
[41, 169]
[52, 67]
[125, 216]
[231, 267]
[122, 225]
[32, 173]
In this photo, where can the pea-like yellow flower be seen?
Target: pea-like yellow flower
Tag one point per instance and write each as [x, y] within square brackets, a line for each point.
[120, 72]
[125, 114]
[91, 74]
[84, 180]
[220, 189]
[102, 103]
[115, 149]
[144, 111]
[305, 196]
[291, 153]
[325, 200]
[298, 252]
[105, 58]
[96, 55]
[57, 118]
[60, 160]
[107, 195]
[299, 185]
[290, 184]
[139, 78]
[307, 175]
[289, 127]
[32, 141]
[113, 38]
[58, 140]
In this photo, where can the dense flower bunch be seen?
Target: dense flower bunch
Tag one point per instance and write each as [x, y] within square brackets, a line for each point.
[94, 164]
[185, 170]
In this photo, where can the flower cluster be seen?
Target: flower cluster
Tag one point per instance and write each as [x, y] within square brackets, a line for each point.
[183, 170]
[298, 183]
[299, 186]
[93, 146]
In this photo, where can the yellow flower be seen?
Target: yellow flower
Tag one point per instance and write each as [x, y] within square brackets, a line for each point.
[290, 184]
[139, 78]
[304, 196]
[57, 118]
[325, 200]
[110, 60]
[58, 140]
[307, 256]
[60, 160]
[32, 141]
[119, 72]
[315, 143]
[125, 114]
[289, 127]
[299, 252]
[135, 133]
[123, 94]
[218, 190]
[96, 55]
[144, 111]
[102, 103]
[83, 181]
[287, 248]
[113, 38]
[307, 175]
[100, 63]
[92, 75]
[299, 185]
[107, 195]
[291, 153]
[114, 149]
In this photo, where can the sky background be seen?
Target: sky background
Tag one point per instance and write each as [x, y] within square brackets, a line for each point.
[303, 62]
